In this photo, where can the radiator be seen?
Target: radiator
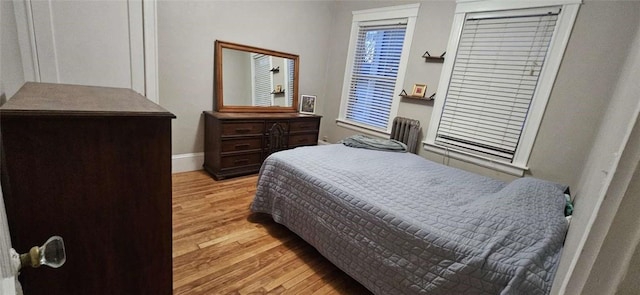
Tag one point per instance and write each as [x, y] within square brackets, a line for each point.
[407, 131]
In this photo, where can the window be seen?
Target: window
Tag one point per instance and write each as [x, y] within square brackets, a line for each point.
[376, 62]
[262, 80]
[498, 83]
[289, 80]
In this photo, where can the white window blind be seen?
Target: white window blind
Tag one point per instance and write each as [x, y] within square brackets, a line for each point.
[262, 80]
[289, 90]
[375, 70]
[494, 78]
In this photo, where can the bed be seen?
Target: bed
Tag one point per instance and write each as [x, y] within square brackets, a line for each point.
[400, 224]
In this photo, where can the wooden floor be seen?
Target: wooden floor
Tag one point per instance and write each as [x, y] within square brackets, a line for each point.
[220, 248]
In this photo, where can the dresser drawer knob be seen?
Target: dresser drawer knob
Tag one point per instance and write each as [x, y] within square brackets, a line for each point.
[243, 130]
[241, 146]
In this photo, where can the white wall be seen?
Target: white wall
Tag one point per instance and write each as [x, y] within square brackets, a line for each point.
[602, 175]
[621, 233]
[186, 34]
[630, 283]
[89, 42]
[597, 51]
[236, 66]
[11, 73]
[11, 79]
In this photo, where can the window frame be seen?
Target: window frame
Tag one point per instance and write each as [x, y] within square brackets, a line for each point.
[540, 98]
[409, 12]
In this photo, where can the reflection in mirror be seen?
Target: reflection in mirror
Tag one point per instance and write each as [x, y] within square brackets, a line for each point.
[252, 79]
[255, 79]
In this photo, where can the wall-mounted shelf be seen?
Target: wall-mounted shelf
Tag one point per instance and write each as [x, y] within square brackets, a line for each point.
[275, 70]
[429, 58]
[417, 97]
[277, 93]
[432, 97]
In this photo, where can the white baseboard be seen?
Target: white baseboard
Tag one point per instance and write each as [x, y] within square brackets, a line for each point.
[186, 162]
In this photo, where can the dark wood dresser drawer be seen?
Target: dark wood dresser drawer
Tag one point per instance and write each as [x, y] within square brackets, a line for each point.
[303, 139]
[306, 125]
[242, 128]
[240, 160]
[241, 144]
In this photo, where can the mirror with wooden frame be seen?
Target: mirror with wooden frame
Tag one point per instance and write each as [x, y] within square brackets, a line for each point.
[252, 79]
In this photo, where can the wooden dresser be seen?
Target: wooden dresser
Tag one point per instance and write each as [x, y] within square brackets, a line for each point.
[237, 143]
[93, 165]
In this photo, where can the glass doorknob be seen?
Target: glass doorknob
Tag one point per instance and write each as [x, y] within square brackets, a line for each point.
[51, 254]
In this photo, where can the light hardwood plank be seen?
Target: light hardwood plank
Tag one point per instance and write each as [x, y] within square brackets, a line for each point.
[219, 247]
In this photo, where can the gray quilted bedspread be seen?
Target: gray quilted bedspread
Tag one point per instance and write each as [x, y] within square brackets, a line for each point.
[400, 224]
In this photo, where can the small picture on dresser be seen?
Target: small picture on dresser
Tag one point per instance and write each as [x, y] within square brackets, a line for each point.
[308, 104]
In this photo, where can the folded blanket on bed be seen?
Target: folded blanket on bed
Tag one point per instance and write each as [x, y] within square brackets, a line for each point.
[371, 143]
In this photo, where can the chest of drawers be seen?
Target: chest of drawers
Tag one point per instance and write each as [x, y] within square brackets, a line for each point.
[92, 165]
[236, 143]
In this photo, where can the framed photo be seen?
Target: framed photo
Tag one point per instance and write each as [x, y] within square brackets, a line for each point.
[419, 90]
[308, 104]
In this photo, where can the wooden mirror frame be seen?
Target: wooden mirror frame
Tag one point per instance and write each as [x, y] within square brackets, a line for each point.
[219, 92]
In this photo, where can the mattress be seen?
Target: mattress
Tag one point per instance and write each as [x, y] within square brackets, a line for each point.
[401, 224]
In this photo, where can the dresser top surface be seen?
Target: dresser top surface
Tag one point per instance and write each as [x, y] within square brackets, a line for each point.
[240, 116]
[48, 99]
